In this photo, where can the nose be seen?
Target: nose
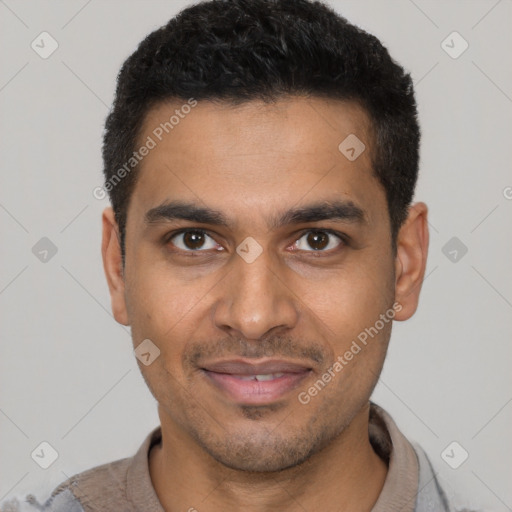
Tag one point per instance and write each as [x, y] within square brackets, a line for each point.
[255, 299]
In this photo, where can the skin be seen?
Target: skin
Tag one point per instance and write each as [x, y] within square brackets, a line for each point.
[253, 162]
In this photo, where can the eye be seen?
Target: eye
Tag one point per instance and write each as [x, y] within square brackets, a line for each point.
[193, 240]
[319, 241]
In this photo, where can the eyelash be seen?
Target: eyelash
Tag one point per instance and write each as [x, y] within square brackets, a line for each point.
[344, 239]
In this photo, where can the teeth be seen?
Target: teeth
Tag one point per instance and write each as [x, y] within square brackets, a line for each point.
[263, 377]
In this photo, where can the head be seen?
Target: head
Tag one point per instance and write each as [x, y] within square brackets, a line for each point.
[269, 153]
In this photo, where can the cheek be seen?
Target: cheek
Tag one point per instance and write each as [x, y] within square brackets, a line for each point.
[157, 304]
[351, 299]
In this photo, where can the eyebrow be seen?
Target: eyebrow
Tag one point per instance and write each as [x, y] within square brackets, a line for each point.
[340, 210]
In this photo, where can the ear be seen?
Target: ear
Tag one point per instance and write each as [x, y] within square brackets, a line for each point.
[113, 265]
[411, 260]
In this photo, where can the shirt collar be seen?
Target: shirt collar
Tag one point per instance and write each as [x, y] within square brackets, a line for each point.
[398, 493]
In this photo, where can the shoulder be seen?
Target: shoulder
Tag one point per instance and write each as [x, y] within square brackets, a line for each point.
[109, 487]
[64, 501]
[105, 484]
[432, 496]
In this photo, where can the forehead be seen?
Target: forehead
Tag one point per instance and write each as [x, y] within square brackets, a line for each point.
[257, 156]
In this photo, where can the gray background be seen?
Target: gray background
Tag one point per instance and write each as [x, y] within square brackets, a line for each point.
[67, 372]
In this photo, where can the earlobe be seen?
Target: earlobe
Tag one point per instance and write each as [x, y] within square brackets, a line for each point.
[113, 266]
[411, 260]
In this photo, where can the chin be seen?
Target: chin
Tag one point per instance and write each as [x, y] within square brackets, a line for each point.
[261, 452]
[254, 461]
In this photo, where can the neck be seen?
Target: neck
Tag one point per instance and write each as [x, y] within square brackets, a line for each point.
[345, 475]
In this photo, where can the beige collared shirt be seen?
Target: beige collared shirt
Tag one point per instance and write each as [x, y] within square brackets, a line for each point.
[125, 485]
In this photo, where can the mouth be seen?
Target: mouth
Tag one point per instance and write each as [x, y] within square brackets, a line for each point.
[261, 383]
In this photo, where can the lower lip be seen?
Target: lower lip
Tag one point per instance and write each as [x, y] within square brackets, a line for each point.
[253, 392]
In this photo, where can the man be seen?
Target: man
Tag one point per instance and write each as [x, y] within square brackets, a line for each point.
[261, 159]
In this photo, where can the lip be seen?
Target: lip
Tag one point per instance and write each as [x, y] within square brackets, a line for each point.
[232, 378]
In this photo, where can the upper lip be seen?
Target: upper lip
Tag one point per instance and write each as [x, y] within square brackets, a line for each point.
[244, 367]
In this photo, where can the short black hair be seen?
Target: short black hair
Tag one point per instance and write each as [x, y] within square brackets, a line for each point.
[241, 50]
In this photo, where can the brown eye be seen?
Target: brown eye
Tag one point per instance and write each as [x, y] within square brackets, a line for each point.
[192, 240]
[318, 241]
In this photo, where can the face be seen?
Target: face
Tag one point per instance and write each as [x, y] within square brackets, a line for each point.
[257, 257]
